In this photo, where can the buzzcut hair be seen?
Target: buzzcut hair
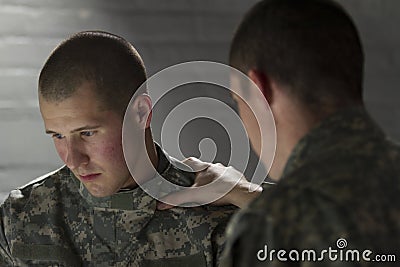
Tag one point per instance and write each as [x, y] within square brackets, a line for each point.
[108, 61]
[311, 47]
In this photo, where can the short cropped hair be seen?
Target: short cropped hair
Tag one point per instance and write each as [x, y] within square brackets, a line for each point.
[311, 47]
[108, 61]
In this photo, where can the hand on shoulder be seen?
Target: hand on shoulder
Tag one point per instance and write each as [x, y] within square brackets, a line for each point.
[214, 184]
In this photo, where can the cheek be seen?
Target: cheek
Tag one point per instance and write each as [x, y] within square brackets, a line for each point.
[62, 153]
[111, 152]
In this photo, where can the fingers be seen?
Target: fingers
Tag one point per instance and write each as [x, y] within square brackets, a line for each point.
[164, 206]
[196, 164]
[214, 183]
[189, 195]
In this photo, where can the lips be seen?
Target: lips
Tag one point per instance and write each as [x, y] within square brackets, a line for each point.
[89, 177]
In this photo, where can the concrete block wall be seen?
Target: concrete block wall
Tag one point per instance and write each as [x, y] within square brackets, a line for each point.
[378, 22]
[165, 33]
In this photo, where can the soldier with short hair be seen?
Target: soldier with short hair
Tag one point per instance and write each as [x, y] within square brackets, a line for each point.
[338, 175]
[91, 212]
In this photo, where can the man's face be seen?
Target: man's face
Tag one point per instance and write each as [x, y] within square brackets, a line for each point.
[88, 140]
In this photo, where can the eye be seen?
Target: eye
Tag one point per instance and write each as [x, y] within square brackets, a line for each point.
[57, 136]
[87, 133]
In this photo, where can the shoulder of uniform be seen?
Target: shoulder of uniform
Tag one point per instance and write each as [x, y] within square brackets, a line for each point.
[226, 209]
[209, 213]
[40, 182]
[42, 178]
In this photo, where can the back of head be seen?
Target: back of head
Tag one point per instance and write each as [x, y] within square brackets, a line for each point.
[106, 60]
[311, 47]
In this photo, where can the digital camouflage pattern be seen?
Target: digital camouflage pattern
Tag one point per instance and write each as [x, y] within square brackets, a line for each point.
[54, 221]
[342, 180]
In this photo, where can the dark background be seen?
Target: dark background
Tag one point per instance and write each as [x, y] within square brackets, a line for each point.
[165, 33]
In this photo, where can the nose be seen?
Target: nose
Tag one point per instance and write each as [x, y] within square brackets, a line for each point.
[76, 155]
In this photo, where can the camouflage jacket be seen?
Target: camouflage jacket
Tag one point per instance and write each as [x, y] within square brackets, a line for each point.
[340, 190]
[54, 221]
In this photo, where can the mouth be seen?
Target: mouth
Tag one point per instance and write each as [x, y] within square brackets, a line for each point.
[89, 177]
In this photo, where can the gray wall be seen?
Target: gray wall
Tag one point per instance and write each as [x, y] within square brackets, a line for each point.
[165, 33]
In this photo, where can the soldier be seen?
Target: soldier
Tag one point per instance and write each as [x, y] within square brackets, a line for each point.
[91, 211]
[338, 190]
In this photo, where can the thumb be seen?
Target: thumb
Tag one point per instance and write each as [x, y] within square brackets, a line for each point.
[196, 164]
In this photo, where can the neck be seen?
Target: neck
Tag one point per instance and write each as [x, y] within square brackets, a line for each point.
[293, 122]
[151, 148]
[145, 166]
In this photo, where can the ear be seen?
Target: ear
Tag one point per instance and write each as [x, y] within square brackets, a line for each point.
[263, 83]
[142, 110]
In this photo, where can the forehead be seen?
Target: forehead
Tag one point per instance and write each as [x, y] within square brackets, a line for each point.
[82, 107]
[83, 97]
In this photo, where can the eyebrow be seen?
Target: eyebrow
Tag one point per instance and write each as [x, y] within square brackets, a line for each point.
[86, 127]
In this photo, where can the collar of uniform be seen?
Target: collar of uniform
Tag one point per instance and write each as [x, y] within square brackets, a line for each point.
[133, 199]
[335, 132]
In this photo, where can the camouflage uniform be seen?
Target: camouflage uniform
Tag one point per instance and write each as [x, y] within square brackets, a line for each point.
[342, 180]
[54, 221]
